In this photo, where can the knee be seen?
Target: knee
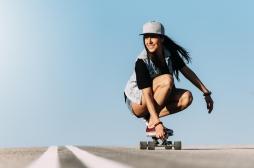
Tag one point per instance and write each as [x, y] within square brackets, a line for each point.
[187, 99]
[167, 81]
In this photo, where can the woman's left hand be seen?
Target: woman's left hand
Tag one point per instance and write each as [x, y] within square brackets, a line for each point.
[209, 103]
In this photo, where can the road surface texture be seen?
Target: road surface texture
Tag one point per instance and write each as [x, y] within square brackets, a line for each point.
[121, 157]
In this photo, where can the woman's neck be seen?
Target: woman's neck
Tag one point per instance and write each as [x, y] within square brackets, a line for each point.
[160, 55]
[159, 52]
[158, 58]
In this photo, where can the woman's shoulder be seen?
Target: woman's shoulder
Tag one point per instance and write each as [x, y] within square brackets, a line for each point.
[140, 66]
[139, 62]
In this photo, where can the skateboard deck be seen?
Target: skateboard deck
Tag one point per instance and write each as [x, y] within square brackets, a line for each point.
[151, 145]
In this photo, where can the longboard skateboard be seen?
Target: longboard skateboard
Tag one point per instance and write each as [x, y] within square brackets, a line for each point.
[151, 145]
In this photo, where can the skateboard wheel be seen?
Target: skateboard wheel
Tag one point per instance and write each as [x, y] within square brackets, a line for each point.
[143, 145]
[151, 145]
[177, 145]
[168, 145]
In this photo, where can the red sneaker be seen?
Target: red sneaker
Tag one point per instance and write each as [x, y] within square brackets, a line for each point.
[152, 133]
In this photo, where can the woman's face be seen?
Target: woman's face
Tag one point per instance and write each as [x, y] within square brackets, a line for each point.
[153, 42]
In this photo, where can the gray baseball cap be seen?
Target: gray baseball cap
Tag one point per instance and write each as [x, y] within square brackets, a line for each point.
[153, 27]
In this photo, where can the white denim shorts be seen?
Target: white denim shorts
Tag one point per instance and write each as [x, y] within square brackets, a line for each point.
[128, 103]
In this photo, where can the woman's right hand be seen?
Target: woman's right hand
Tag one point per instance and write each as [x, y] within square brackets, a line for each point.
[209, 103]
[160, 133]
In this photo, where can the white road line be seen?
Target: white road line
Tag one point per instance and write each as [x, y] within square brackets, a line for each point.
[48, 159]
[93, 161]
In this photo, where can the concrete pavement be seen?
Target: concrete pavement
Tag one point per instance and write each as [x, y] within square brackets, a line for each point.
[233, 156]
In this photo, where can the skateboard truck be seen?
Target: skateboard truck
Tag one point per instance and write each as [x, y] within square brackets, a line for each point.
[150, 145]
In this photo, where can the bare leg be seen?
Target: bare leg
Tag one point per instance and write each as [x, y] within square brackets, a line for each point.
[162, 86]
[168, 100]
[179, 100]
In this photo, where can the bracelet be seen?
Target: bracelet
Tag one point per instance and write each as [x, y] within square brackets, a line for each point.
[158, 123]
[207, 94]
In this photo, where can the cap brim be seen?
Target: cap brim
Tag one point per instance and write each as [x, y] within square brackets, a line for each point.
[152, 34]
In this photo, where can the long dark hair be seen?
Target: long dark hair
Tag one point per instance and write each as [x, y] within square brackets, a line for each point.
[177, 52]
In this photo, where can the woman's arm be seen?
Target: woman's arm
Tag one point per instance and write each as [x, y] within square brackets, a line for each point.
[192, 77]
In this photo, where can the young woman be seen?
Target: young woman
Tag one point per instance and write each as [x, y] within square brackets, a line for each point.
[150, 92]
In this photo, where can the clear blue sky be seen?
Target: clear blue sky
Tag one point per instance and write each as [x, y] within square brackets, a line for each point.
[64, 65]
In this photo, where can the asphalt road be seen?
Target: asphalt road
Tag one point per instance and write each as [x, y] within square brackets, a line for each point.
[82, 156]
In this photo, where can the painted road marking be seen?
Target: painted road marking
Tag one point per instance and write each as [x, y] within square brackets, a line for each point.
[48, 159]
[93, 161]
